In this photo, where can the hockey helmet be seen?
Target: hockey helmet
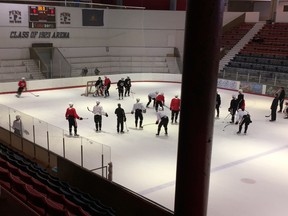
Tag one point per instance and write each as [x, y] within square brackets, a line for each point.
[137, 99]
[70, 104]
[97, 102]
[18, 117]
[23, 78]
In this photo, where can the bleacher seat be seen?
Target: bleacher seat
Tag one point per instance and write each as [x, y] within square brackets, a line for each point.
[39, 187]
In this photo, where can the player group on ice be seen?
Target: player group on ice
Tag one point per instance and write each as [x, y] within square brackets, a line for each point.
[138, 109]
[240, 116]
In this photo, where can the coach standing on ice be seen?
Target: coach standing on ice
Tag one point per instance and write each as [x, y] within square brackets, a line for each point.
[273, 108]
[121, 118]
[98, 112]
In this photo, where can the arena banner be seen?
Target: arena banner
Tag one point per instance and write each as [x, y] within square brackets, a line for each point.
[228, 84]
[272, 90]
[92, 17]
[252, 87]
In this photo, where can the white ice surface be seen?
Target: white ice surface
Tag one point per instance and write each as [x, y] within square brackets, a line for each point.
[248, 172]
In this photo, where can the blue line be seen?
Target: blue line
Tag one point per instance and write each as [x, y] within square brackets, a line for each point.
[226, 166]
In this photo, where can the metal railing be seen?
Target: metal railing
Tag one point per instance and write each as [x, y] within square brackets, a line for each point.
[86, 153]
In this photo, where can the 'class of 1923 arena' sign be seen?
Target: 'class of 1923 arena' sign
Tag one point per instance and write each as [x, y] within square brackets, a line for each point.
[38, 34]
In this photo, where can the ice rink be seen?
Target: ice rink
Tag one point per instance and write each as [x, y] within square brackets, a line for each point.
[248, 172]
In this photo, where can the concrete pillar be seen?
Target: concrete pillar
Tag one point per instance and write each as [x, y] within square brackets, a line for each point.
[198, 94]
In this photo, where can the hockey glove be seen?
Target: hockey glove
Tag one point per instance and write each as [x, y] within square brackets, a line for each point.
[132, 112]
[124, 119]
[106, 114]
[144, 111]
[81, 118]
[157, 122]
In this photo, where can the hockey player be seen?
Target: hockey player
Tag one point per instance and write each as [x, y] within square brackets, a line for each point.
[107, 84]
[98, 112]
[120, 87]
[285, 111]
[240, 100]
[175, 108]
[22, 86]
[162, 120]
[151, 96]
[243, 117]
[99, 87]
[159, 101]
[17, 125]
[71, 115]
[127, 86]
[218, 103]
[273, 108]
[138, 109]
[233, 108]
[281, 93]
[121, 118]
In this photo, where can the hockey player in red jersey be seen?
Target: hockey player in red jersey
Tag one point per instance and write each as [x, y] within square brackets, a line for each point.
[175, 108]
[107, 84]
[159, 101]
[71, 115]
[22, 86]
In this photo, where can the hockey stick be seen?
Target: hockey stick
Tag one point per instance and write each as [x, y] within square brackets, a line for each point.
[132, 93]
[88, 109]
[166, 106]
[226, 126]
[267, 116]
[126, 127]
[34, 94]
[148, 124]
[226, 117]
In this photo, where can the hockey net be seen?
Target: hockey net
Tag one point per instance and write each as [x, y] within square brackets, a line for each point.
[90, 88]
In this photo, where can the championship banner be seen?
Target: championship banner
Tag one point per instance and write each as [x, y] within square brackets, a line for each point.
[92, 17]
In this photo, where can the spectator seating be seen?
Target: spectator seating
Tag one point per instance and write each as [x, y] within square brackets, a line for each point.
[118, 64]
[43, 192]
[231, 37]
[266, 55]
